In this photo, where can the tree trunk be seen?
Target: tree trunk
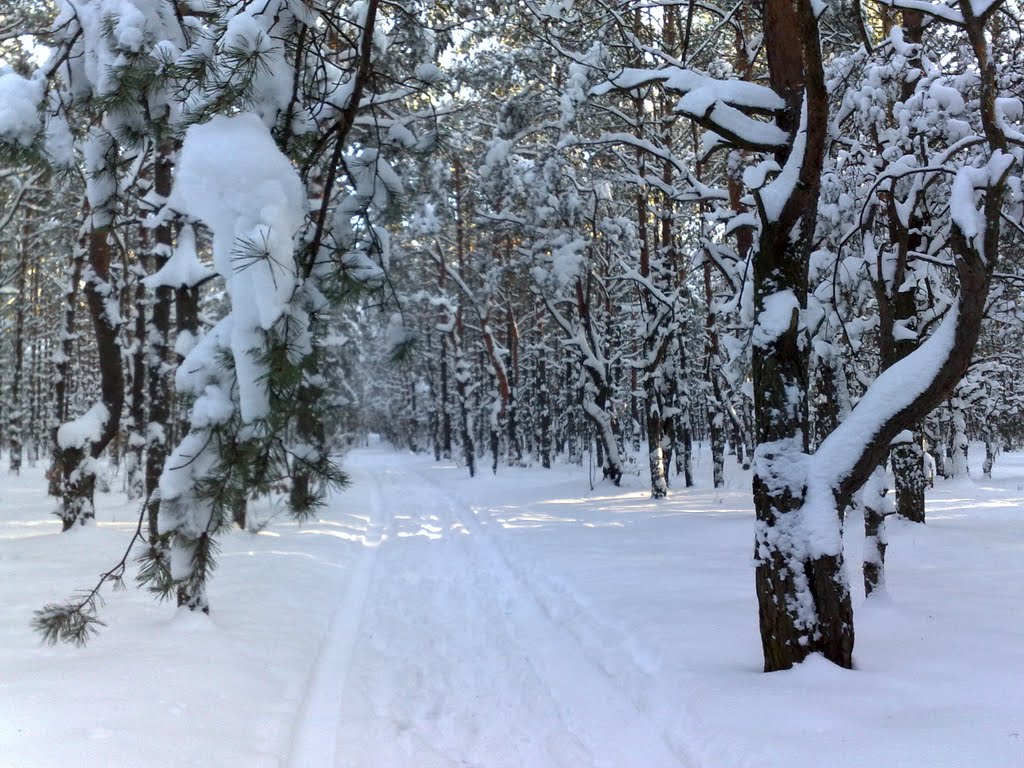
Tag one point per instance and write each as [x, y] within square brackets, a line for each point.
[462, 379]
[62, 364]
[543, 409]
[186, 324]
[79, 453]
[877, 506]
[959, 447]
[990, 455]
[135, 470]
[444, 413]
[804, 601]
[908, 471]
[655, 438]
[16, 417]
[159, 429]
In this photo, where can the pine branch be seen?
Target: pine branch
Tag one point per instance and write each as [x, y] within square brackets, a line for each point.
[76, 621]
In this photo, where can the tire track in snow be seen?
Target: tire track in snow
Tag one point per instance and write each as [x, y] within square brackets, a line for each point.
[594, 705]
[315, 732]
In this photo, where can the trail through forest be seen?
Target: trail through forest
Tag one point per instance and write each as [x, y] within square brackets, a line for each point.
[447, 657]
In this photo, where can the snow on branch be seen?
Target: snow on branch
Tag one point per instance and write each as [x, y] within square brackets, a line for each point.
[723, 106]
[963, 210]
[232, 177]
[896, 389]
[938, 10]
[21, 100]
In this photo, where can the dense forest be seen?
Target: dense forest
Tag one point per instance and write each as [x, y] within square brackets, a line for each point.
[237, 237]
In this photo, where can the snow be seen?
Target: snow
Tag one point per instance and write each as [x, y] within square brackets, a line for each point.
[232, 177]
[962, 207]
[774, 195]
[515, 621]
[888, 395]
[718, 101]
[20, 102]
[939, 10]
[776, 318]
[183, 268]
[740, 93]
[251, 33]
[86, 429]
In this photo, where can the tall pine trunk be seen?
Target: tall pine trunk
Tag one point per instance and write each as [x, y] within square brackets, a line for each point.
[159, 360]
[80, 443]
[16, 417]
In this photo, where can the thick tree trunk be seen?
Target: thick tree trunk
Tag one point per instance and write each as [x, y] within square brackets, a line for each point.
[79, 454]
[804, 601]
[908, 473]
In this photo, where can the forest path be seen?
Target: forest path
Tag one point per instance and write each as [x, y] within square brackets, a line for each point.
[441, 654]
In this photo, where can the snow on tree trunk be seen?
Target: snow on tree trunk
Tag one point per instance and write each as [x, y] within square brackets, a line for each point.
[543, 408]
[16, 417]
[804, 601]
[655, 453]
[940, 457]
[877, 506]
[81, 441]
[959, 446]
[716, 411]
[134, 459]
[990, 455]
[159, 363]
[908, 466]
[62, 363]
[463, 378]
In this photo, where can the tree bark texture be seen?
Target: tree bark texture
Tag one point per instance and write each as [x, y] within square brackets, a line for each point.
[804, 601]
[78, 462]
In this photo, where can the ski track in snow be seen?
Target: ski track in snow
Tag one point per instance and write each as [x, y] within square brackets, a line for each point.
[441, 654]
[617, 726]
[325, 687]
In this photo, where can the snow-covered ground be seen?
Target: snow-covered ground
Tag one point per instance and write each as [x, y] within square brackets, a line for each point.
[520, 620]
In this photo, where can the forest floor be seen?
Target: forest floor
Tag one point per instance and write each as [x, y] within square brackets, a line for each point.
[513, 621]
